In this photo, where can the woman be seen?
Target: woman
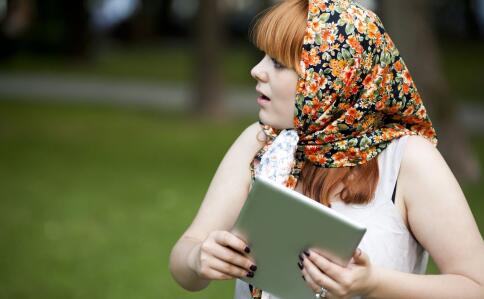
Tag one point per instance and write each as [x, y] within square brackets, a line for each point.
[338, 102]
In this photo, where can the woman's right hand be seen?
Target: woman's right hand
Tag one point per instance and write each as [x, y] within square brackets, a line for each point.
[222, 255]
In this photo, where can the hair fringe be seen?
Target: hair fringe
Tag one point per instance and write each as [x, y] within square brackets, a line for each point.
[279, 31]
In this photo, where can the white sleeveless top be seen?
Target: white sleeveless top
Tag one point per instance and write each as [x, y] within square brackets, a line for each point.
[387, 241]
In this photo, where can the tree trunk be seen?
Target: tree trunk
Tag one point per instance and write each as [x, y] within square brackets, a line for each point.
[408, 24]
[78, 36]
[209, 36]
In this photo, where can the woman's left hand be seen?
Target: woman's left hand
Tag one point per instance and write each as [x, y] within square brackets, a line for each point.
[340, 282]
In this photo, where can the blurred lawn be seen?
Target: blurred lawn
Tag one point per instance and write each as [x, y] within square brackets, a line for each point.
[93, 198]
[174, 62]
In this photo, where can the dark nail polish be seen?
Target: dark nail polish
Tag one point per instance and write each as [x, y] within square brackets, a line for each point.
[303, 277]
[301, 266]
[247, 249]
[253, 267]
[306, 253]
[250, 274]
[300, 257]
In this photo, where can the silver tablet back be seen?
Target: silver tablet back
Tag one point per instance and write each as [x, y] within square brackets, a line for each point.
[278, 223]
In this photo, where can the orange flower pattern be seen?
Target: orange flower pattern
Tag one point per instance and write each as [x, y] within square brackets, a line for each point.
[354, 93]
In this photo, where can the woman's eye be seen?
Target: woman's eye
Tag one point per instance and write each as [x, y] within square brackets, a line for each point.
[277, 64]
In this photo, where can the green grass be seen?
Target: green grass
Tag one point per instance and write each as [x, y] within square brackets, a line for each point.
[92, 198]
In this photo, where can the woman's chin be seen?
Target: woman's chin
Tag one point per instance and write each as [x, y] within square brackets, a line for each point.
[264, 119]
[274, 123]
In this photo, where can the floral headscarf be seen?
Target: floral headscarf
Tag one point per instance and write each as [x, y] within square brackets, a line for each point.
[354, 95]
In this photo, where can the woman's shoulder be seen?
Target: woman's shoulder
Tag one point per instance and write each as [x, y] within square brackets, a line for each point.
[419, 151]
[253, 136]
[422, 167]
[254, 129]
[248, 143]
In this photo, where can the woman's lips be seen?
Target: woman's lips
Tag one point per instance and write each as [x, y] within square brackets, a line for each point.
[262, 100]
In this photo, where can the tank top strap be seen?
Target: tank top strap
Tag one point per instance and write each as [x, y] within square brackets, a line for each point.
[389, 167]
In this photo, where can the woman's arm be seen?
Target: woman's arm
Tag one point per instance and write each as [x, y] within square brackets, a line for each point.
[225, 197]
[395, 285]
[440, 219]
[181, 264]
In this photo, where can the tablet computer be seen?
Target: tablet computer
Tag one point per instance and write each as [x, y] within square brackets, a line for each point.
[278, 223]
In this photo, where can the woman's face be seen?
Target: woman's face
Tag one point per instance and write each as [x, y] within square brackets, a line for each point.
[278, 84]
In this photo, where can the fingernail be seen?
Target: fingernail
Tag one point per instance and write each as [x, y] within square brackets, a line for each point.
[301, 266]
[247, 249]
[253, 267]
[300, 257]
[250, 274]
[303, 277]
[306, 253]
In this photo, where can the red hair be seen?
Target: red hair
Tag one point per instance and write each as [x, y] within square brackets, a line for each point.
[359, 182]
[279, 32]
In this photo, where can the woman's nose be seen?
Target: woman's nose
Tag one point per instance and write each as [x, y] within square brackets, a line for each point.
[258, 74]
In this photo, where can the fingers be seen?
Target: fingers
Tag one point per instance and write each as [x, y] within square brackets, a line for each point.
[212, 273]
[317, 278]
[219, 259]
[233, 257]
[330, 269]
[361, 258]
[310, 281]
[229, 269]
[228, 239]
